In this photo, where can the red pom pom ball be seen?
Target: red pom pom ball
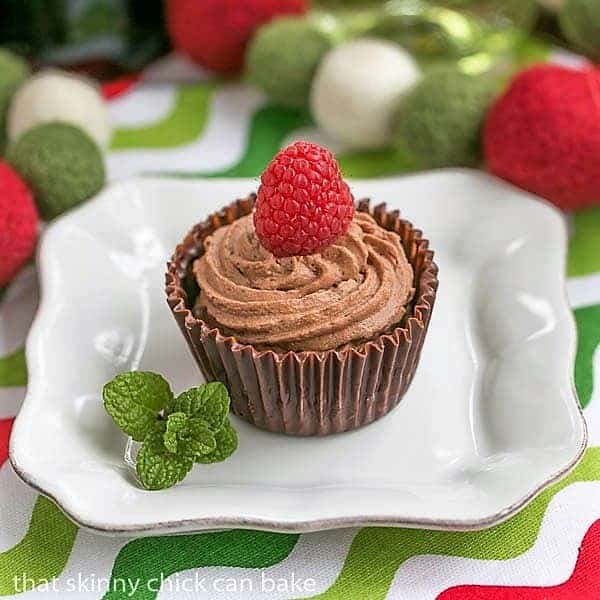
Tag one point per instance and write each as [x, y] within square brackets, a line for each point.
[543, 134]
[214, 33]
[18, 223]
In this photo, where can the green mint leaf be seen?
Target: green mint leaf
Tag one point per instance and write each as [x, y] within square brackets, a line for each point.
[177, 421]
[134, 399]
[170, 441]
[209, 402]
[158, 468]
[227, 443]
[196, 439]
[188, 436]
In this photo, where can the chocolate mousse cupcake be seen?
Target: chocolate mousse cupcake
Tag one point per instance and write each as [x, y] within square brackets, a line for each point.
[312, 311]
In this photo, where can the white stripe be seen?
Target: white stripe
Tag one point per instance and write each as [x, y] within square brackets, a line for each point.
[17, 309]
[560, 56]
[11, 399]
[584, 290]
[175, 68]
[142, 106]
[222, 144]
[16, 504]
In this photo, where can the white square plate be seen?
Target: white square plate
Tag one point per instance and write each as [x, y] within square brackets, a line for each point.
[490, 419]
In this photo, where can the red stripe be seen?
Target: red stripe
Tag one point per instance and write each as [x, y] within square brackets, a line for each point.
[5, 427]
[584, 583]
[118, 87]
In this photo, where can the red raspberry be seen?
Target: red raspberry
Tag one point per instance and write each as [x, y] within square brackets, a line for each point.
[303, 203]
[214, 33]
[18, 224]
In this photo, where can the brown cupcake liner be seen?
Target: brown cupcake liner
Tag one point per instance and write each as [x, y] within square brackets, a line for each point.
[307, 393]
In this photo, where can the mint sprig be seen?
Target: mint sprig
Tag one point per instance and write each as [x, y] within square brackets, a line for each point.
[175, 432]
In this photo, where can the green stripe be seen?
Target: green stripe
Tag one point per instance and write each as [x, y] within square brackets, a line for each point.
[42, 553]
[375, 164]
[584, 247]
[588, 326]
[13, 369]
[268, 128]
[184, 124]
[148, 559]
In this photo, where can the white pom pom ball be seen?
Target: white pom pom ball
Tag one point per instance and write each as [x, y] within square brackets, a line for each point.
[553, 5]
[357, 90]
[54, 95]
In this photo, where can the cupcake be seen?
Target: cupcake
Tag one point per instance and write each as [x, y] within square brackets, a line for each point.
[310, 308]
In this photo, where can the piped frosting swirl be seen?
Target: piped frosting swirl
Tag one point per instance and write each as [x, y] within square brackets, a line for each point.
[348, 293]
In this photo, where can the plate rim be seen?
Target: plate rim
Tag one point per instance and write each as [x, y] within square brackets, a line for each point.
[304, 525]
[307, 525]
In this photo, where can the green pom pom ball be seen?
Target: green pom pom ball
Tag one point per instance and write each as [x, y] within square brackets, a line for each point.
[62, 165]
[580, 24]
[13, 71]
[440, 119]
[283, 56]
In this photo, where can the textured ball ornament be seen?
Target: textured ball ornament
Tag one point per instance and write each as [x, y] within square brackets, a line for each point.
[357, 89]
[580, 24]
[54, 95]
[214, 33]
[303, 203]
[283, 57]
[62, 165]
[18, 224]
[543, 134]
[441, 118]
[13, 71]
[552, 5]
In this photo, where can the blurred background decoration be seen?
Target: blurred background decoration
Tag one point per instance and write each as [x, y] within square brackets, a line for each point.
[397, 85]
[105, 36]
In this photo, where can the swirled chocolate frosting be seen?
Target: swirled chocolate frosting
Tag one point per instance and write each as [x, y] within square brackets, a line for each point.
[348, 293]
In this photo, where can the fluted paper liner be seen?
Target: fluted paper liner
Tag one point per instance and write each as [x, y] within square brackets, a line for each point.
[307, 393]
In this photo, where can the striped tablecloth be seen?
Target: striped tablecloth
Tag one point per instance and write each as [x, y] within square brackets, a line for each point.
[176, 118]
